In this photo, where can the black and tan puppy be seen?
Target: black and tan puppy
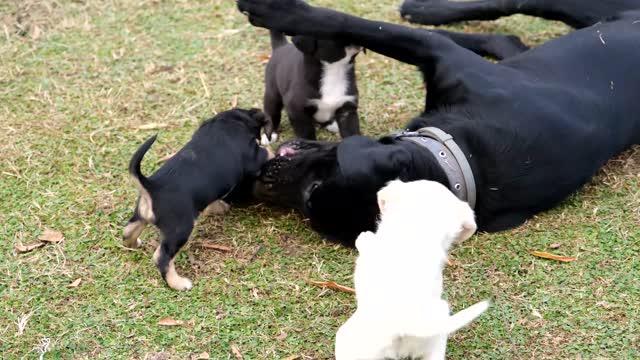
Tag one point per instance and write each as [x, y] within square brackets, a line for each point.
[316, 82]
[222, 153]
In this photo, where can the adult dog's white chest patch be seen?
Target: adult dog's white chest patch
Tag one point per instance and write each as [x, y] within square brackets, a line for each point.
[334, 84]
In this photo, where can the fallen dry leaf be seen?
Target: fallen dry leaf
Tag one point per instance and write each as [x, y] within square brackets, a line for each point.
[264, 58]
[157, 356]
[546, 255]
[216, 247]
[51, 236]
[165, 158]
[151, 126]
[256, 293]
[201, 356]
[170, 322]
[333, 285]
[234, 101]
[536, 313]
[20, 249]
[292, 357]
[236, 351]
[151, 69]
[555, 246]
[75, 283]
[281, 336]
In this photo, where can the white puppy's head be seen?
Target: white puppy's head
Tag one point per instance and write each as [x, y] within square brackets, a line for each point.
[427, 205]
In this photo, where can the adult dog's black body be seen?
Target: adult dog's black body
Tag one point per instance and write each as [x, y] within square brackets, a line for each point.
[575, 13]
[296, 78]
[222, 154]
[534, 128]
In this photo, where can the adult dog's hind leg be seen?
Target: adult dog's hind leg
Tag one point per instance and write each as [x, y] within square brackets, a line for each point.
[174, 236]
[440, 12]
[493, 45]
[131, 232]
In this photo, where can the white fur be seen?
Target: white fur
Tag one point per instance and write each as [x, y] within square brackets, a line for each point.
[333, 86]
[398, 276]
[333, 127]
[264, 140]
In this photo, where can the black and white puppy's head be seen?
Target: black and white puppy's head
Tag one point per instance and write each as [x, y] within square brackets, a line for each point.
[326, 51]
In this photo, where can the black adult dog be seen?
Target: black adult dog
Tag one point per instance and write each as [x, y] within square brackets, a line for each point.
[533, 128]
[576, 13]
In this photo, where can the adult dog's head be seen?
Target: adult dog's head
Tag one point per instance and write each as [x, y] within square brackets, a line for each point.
[335, 184]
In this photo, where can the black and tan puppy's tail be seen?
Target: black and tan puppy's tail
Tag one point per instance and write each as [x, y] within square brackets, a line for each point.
[277, 39]
[136, 160]
[145, 203]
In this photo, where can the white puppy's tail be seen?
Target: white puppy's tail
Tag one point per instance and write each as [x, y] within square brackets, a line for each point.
[464, 317]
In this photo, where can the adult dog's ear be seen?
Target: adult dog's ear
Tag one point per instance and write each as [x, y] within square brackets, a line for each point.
[306, 44]
[364, 160]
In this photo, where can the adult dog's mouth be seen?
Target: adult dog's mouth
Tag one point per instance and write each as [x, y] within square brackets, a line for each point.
[296, 164]
[295, 147]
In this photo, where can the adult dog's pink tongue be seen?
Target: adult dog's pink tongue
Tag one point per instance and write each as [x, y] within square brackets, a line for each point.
[286, 151]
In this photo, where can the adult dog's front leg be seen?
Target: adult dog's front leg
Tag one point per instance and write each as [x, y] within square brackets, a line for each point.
[419, 47]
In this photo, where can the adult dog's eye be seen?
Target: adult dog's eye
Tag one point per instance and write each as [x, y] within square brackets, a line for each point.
[314, 186]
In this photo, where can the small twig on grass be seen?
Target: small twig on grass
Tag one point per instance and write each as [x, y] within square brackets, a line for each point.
[253, 257]
[332, 285]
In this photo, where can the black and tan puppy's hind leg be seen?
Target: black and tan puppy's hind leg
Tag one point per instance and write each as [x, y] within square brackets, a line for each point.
[131, 232]
[172, 240]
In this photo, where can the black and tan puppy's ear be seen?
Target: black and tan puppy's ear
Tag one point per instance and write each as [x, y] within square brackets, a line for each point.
[306, 44]
[262, 121]
[361, 159]
[265, 123]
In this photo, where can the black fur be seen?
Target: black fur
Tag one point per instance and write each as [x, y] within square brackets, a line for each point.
[576, 13]
[534, 127]
[292, 80]
[222, 153]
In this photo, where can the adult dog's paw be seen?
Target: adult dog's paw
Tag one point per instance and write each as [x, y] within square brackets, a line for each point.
[281, 15]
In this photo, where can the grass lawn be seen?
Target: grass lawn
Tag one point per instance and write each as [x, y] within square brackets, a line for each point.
[78, 79]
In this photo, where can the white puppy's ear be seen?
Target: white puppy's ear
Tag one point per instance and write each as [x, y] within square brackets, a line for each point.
[383, 197]
[386, 194]
[364, 240]
[468, 222]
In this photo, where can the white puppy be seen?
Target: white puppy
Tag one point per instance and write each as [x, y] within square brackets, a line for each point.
[398, 276]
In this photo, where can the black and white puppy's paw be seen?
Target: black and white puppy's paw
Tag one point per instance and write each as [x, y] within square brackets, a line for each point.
[266, 140]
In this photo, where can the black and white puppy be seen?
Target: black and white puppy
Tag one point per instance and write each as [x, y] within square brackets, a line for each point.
[315, 81]
[223, 152]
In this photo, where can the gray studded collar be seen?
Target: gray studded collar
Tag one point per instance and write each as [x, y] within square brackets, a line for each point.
[449, 156]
